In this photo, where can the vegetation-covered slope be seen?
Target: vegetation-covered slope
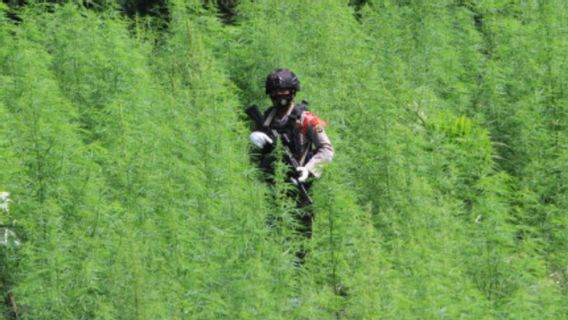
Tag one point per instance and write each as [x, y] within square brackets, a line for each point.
[124, 147]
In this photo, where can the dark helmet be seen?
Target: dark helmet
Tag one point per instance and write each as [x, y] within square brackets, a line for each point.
[282, 79]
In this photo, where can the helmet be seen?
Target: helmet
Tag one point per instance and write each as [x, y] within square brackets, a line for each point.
[282, 79]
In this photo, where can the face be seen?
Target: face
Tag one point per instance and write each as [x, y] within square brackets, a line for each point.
[281, 98]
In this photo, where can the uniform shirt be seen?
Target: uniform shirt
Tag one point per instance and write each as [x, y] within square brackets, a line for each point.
[310, 145]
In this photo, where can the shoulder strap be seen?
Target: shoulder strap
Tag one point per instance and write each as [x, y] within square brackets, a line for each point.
[296, 114]
[268, 119]
[303, 105]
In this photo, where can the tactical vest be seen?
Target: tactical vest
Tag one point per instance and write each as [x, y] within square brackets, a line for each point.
[299, 144]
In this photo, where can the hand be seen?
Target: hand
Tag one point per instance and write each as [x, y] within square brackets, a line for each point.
[304, 174]
[260, 139]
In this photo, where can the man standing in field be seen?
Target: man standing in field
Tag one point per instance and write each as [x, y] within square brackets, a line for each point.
[301, 133]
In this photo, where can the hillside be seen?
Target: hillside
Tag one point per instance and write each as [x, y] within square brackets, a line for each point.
[124, 149]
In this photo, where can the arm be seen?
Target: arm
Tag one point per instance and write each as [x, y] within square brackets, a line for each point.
[324, 151]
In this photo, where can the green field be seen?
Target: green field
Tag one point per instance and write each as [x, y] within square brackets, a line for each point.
[124, 147]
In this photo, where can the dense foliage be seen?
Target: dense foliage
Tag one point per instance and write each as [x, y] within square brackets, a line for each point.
[124, 147]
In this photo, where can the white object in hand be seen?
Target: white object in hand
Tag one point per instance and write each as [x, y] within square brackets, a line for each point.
[304, 174]
[260, 139]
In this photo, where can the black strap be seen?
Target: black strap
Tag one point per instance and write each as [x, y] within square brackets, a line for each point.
[298, 110]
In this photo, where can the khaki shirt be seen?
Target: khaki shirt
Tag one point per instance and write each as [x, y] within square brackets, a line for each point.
[307, 135]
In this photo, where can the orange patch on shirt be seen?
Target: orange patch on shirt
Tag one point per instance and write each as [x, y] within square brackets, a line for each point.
[314, 121]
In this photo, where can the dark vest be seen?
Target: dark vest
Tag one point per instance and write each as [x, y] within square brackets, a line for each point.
[287, 126]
